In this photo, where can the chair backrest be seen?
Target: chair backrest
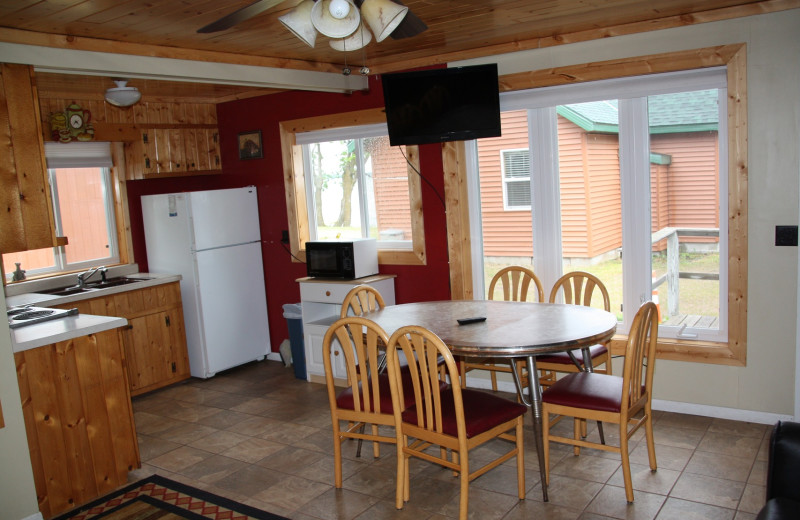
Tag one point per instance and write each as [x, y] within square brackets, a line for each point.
[515, 281]
[640, 358]
[360, 300]
[422, 348]
[578, 288]
[357, 341]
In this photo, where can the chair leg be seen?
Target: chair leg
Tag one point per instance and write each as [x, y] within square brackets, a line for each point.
[463, 503]
[600, 431]
[401, 473]
[494, 380]
[463, 369]
[577, 425]
[376, 446]
[626, 463]
[520, 461]
[651, 443]
[546, 446]
[337, 455]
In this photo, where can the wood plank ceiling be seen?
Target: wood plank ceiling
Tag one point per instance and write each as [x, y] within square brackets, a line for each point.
[457, 30]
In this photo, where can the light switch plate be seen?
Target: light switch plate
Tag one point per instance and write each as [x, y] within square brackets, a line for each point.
[786, 236]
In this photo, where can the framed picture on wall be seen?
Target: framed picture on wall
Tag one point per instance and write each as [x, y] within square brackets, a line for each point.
[250, 145]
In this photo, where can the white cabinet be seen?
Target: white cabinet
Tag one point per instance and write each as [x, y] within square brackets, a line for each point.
[322, 304]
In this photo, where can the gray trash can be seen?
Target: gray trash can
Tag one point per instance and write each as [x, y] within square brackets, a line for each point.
[293, 312]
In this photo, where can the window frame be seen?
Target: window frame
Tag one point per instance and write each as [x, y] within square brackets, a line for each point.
[59, 252]
[296, 191]
[734, 58]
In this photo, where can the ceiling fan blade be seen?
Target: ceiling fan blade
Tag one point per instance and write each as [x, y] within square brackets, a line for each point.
[236, 17]
[410, 26]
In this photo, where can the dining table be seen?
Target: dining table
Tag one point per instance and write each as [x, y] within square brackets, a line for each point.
[511, 330]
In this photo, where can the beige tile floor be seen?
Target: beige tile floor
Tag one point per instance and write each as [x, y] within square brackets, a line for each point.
[258, 435]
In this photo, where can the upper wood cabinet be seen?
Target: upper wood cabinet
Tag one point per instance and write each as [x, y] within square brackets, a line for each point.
[166, 152]
[26, 214]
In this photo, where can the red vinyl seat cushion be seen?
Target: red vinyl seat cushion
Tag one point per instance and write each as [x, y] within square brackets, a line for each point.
[562, 358]
[482, 412]
[586, 390]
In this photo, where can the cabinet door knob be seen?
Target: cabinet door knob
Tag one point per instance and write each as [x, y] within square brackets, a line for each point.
[327, 293]
[335, 352]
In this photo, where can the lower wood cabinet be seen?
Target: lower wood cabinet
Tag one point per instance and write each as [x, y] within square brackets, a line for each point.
[78, 418]
[154, 340]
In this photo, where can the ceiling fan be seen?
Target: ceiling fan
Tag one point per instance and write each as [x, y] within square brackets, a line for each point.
[323, 17]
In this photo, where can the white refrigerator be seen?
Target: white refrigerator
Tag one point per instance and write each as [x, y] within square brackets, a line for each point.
[212, 239]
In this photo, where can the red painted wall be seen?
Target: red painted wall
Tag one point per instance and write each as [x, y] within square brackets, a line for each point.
[413, 283]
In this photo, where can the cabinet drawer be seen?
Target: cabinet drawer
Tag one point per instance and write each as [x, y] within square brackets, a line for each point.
[324, 292]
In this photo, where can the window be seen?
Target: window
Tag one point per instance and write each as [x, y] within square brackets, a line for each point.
[346, 181]
[599, 204]
[83, 212]
[348, 177]
[732, 191]
[516, 179]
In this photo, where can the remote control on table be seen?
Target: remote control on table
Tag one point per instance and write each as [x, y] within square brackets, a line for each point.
[467, 321]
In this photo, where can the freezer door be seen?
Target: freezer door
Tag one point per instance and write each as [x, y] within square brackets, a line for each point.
[224, 217]
[233, 306]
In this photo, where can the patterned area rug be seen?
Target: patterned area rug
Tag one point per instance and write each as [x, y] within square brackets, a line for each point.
[159, 498]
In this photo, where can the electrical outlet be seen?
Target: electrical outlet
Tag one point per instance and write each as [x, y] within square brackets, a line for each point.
[786, 235]
[285, 236]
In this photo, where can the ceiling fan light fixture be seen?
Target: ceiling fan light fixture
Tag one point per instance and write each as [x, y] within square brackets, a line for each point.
[355, 41]
[298, 20]
[382, 16]
[332, 27]
[122, 95]
[339, 8]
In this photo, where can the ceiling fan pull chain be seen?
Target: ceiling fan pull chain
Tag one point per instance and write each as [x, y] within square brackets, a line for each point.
[364, 69]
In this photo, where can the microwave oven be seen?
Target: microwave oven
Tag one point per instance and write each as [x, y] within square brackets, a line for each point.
[346, 259]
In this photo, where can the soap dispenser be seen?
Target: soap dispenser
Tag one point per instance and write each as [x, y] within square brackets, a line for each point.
[19, 274]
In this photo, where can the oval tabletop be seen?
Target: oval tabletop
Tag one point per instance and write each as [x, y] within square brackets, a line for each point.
[511, 329]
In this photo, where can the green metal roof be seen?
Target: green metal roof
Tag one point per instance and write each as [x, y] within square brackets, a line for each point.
[696, 111]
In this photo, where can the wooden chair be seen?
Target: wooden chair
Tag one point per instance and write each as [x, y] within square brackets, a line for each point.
[367, 398]
[446, 416]
[625, 400]
[518, 284]
[360, 300]
[577, 288]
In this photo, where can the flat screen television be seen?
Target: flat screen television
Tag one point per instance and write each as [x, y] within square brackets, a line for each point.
[438, 105]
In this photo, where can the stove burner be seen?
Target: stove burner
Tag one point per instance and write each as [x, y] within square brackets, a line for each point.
[33, 314]
[29, 314]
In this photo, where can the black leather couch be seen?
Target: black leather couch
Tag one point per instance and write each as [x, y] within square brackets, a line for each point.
[783, 474]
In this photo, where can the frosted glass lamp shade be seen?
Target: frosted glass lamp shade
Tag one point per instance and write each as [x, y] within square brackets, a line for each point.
[382, 16]
[123, 96]
[355, 41]
[298, 20]
[333, 27]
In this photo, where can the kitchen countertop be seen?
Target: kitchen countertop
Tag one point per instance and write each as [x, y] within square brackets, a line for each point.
[48, 332]
[62, 329]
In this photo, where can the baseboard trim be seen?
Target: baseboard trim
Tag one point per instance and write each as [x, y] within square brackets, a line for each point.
[717, 412]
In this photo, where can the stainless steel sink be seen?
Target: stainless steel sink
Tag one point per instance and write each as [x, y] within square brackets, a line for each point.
[66, 291]
[113, 282]
[92, 286]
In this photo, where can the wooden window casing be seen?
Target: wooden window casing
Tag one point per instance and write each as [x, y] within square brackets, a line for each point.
[733, 57]
[294, 183]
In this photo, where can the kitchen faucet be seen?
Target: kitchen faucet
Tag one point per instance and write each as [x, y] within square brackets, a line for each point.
[83, 277]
